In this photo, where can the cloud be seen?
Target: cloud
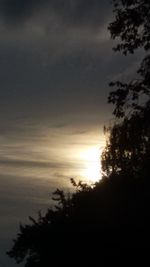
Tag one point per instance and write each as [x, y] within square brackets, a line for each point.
[70, 12]
[38, 164]
[52, 58]
[13, 10]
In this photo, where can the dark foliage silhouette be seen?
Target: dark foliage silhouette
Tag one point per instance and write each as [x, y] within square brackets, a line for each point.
[132, 28]
[128, 147]
[115, 212]
[116, 209]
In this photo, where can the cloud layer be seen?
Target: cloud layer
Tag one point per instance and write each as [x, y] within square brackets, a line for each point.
[70, 12]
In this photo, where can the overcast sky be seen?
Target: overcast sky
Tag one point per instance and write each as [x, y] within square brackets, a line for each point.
[56, 61]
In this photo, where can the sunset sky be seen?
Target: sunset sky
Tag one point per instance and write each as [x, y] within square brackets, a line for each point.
[56, 61]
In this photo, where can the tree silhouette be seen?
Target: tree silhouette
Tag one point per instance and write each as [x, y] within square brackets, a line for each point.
[131, 25]
[128, 145]
[132, 28]
[116, 210]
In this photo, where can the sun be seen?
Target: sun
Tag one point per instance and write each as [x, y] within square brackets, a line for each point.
[92, 167]
[92, 173]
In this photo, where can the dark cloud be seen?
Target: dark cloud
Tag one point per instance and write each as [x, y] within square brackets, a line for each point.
[15, 9]
[70, 12]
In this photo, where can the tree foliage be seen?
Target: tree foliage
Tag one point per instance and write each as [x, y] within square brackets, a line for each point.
[131, 25]
[113, 213]
[128, 145]
[132, 28]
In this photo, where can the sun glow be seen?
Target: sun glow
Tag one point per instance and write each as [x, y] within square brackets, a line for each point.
[92, 170]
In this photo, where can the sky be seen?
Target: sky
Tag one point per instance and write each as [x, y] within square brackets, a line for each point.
[56, 62]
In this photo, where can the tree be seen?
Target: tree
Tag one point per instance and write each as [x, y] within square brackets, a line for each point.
[132, 28]
[92, 218]
[128, 146]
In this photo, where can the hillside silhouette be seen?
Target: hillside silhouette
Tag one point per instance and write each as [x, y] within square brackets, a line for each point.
[115, 212]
